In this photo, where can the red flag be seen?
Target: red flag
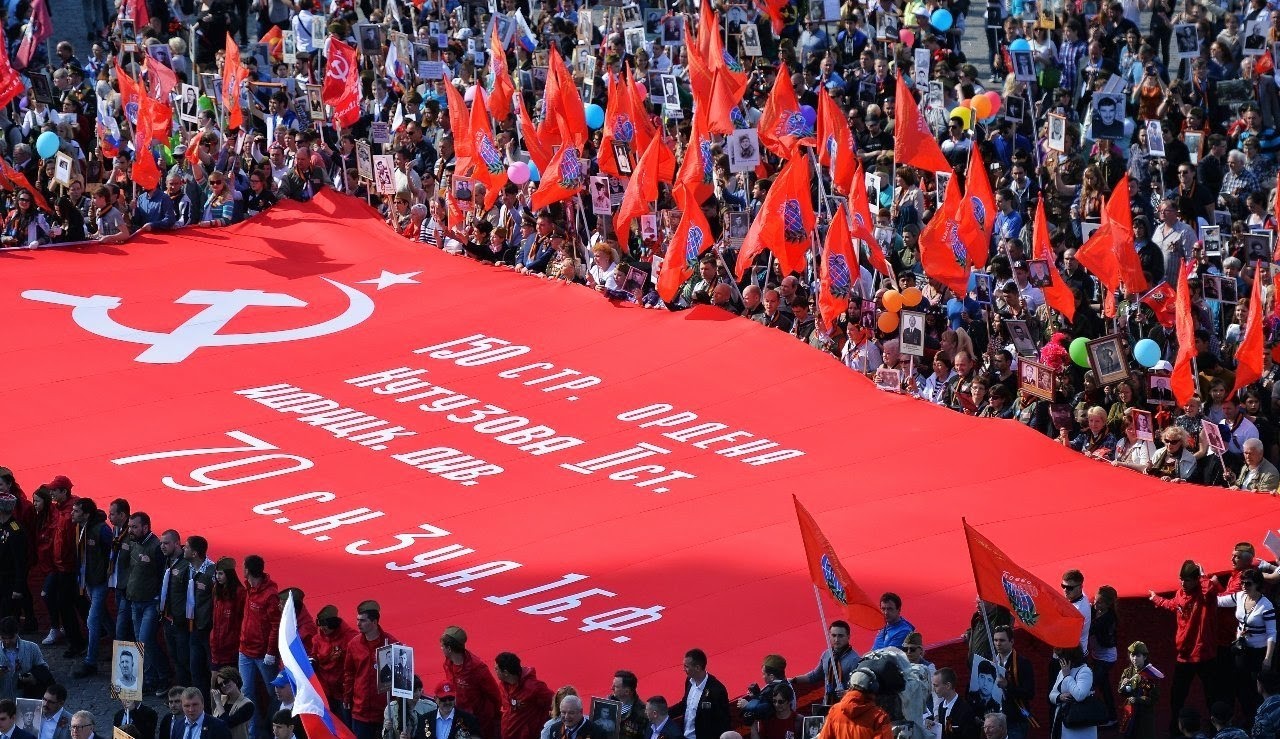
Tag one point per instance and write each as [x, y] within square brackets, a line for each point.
[562, 179]
[564, 103]
[529, 136]
[785, 221]
[700, 81]
[130, 94]
[839, 270]
[862, 224]
[11, 85]
[646, 131]
[692, 239]
[641, 192]
[274, 39]
[137, 10]
[720, 61]
[193, 148]
[835, 142]
[488, 167]
[503, 89]
[341, 89]
[619, 127]
[233, 75]
[19, 179]
[696, 169]
[1249, 353]
[39, 29]
[1119, 215]
[1044, 610]
[945, 243]
[913, 142]
[145, 171]
[782, 127]
[1097, 256]
[1184, 380]
[458, 123]
[773, 10]
[977, 191]
[160, 79]
[1162, 301]
[830, 578]
[1057, 294]
[708, 28]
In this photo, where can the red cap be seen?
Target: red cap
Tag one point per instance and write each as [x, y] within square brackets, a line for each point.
[61, 482]
[446, 690]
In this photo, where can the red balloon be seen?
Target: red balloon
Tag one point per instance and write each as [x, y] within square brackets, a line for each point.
[996, 101]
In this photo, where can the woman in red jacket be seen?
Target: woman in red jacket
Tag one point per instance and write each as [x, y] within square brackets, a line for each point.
[228, 610]
[41, 570]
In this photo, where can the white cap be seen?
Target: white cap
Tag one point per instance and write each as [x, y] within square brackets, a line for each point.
[1162, 366]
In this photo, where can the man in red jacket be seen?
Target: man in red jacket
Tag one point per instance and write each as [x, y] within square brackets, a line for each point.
[526, 700]
[258, 642]
[360, 675]
[65, 591]
[1196, 606]
[328, 656]
[477, 690]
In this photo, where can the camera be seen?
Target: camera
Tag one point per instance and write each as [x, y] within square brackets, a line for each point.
[759, 703]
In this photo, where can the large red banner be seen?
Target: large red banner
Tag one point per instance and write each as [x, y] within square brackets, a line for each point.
[590, 485]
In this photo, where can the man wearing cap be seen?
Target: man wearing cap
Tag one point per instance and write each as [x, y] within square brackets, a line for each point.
[1195, 607]
[857, 716]
[258, 648]
[477, 690]
[447, 721]
[526, 700]
[359, 676]
[834, 664]
[283, 687]
[65, 590]
[13, 557]
[328, 653]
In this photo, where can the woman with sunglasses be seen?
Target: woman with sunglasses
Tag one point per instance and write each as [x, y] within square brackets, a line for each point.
[25, 226]
[219, 207]
[1174, 462]
[784, 722]
[1255, 643]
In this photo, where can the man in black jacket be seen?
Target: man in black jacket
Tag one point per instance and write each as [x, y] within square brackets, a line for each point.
[13, 558]
[199, 608]
[1016, 680]
[146, 567]
[138, 714]
[705, 705]
[93, 540]
[447, 721]
[173, 606]
[572, 724]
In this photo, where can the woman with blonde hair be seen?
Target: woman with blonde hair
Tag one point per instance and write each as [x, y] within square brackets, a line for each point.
[555, 709]
[603, 272]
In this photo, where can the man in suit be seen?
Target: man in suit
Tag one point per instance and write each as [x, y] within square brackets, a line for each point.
[955, 716]
[82, 725]
[1016, 680]
[8, 721]
[55, 721]
[171, 720]
[660, 724]
[138, 714]
[447, 721]
[705, 705]
[195, 723]
[573, 723]
[773, 315]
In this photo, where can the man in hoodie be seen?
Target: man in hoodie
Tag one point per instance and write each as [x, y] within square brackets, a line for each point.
[257, 640]
[328, 655]
[477, 690]
[857, 716]
[359, 677]
[93, 539]
[526, 700]
[1195, 606]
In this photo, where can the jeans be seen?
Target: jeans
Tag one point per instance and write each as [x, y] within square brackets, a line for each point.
[98, 623]
[145, 615]
[201, 672]
[177, 638]
[124, 617]
[256, 674]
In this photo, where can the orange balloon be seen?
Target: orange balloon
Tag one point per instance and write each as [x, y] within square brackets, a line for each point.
[887, 322]
[982, 106]
[911, 297]
[892, 301]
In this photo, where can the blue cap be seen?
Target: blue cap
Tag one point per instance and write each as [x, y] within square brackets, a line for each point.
[282, 680]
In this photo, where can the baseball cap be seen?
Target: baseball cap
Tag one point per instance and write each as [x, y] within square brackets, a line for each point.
[446, 690]
[61, 482]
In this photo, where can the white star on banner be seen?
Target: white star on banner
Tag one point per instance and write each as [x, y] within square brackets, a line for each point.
[387, 279]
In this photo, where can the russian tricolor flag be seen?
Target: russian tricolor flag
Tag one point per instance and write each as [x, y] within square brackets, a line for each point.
[309, 703]
[524, 36]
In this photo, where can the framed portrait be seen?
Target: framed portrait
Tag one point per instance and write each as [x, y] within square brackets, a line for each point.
[1039, 273]
[648, 227]
[383, 658]
[370, 36]
[1212, 238]
[1143, 424]
[315, 102]
[1257, 246]
[1036, 379]
[30, 715]
[812, 726]
[1210, 286]
[401, 671]
[1024, 344]
[635, 39]
[920, 68]
[744, 150]
[600, 203]
[1160, 391]
[364, 160]
[126, 670]
[161, 53]
[737, 223]
[889, 379]
[1058, 133]
[1106, 357]
[188, 103]
[1155, 139]
[1015, 109]
[1227, 289]
[1106, 116]
[1213, 438]
[622, 158]
[982, 284]
[384, 174]
[940, 182]
[1024, 66]
[657, 92]
[1195, 143]
[128, 31]
[607, 715]
[1255, 37]
[670, 92]
[631, 16]
[751, 40]
[1186, 41]
[288, 47]
[985, 695]
[62, 168]
[911, 337]
[41, 86]
[673, 31]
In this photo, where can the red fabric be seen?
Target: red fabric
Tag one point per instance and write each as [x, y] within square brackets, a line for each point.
[39, 30]
[111, 405]
[1183, 382]
[477, 691]
[563, 103]
[193, 147]
[641, 191]
[19, 179]
[1119, 215]
[691, 239]
[1197, 614]
[696, 167]
[1057, 294]
[946, 240]
[131, 94]
[838, 272]
[11, 85]
[835, 142]
[913, 142]
[529, 137]
[978, 194]
[700, 82]
[160, 79]
[458, 123]
[783, 130]
[233, 75]
[563, 178]
[830, 578]
[1161, 300]
[525, 706]
[341, 89]
[862, 224]
[360, 678]
[1249, 353]
[773, 10]
[645, 131]
[328, 656]
[64, 550]
[261, 619]
[274, 39]
[145, 171]
[1038, 606]
[857, 716]
[620, 123]
[1097, 256]
[224, 639]
[488, 167]
[503, 89]
[307, 629]
[731, 75]
[785, 221]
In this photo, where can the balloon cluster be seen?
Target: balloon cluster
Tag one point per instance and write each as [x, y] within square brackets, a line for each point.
[894, 301]
[982, 107]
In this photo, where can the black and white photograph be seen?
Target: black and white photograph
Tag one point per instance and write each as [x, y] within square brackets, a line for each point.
[1257, 246]
[751, 40]
[30, 715]
[743, 147]
[41, 86]
[364, 160]
[1106, 357]
[1036, 379]
[670, 91]
[887, 27]
[1024, 344]
[1210, 287]
[161, 53]
[911, 337]
[62, 166]
[1212, 238]
[1015, 109]
[315, 102]
[289, 47]
[812, 726]
[126, 670]
[1058, 132]
[1155, 139]
[1255, 36]
[383, 659]
[1186, 41]
[128, 31]
[617, 190]
[673, 31]
[622, 158]
[401, 671]
[1039, 273]
[920, 69]
[370, 36]
[1107, 116]
[657, 92]
[607, 716]
[600, 204]
[1195, 144]
[1228, 289]
[631, 16]
[982, 285]
[635, 39]
[941, 180]
[188, 103]
[737, 223]
[985, 694]
[383, 178]
[1024, 66]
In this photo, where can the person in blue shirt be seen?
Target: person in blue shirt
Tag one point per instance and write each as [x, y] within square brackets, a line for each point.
[1009, 221]
[896, 627]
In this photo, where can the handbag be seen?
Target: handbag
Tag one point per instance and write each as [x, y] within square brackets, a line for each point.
[1085, 714]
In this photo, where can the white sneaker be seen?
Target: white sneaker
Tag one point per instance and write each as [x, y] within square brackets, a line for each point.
[53, 637]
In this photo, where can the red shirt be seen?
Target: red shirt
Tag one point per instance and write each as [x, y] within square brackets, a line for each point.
[1197, 615]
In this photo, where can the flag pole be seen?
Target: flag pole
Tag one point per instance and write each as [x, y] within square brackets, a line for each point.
[991, 641]
[822, 616]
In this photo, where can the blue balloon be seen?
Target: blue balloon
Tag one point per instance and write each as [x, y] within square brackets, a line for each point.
[595, 116]
[47, 145]
[534, 174]
[810, 116]
[941, 20]
[1147, 352]
[1020, 44]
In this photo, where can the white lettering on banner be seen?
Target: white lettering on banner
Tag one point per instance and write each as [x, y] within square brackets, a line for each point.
[201, 474]
[327, 414]
[639, 451]
[681, 418]
[477, 349]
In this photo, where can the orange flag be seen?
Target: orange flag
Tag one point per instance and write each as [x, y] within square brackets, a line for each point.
[1183, 381]
[274, 39]
[977, 190]
[503, 89]
[1098, 256]
[131, 94]
[1043, 609]
[641, 192]
[1249, 353]
[529, 136]
[564, 102]
[145, 171]
[562, 179]
[733, 76]
[458, 123]
[700, 75]
[233, 74]
[829, 577]
[839, 270]
[785, 221]
[696, 168]
[691, 239]
[487, 165]
[708, 28]
[1057, 294]
[619, 127]
[863, 225]
[946, 241]
[913, 142]
[835, 142]
[1119, 215]
[773, 11]
[19, 179]
[782, 127]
